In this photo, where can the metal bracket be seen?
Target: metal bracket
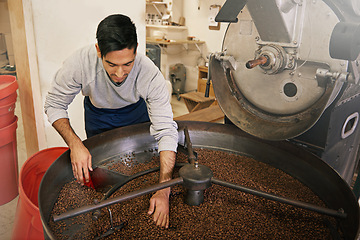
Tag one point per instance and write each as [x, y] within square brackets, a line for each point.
[227, 60]
[324, 75]
[186, 46]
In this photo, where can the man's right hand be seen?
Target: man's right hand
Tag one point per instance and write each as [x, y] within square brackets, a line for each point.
[80, 163]
[79, 154]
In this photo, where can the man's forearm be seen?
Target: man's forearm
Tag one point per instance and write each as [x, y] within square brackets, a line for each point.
[167, 163]
[64, 128]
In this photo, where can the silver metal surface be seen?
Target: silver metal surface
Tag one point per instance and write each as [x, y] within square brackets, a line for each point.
[355, 5]
[294, 36]
[278, 21]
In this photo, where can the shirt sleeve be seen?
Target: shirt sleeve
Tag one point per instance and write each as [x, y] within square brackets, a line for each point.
[163, 127]
[65, 86]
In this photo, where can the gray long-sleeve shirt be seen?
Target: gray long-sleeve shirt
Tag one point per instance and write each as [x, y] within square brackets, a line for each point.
[84, 72]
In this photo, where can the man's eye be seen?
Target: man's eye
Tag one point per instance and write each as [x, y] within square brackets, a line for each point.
[111, 65]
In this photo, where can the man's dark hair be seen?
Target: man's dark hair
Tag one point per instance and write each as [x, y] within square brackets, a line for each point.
[116, 32]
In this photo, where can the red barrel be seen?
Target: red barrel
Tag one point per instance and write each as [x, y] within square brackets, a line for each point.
[27, 224]
[8, 85]
[8, 95]
[8, 162]
[8, 148]
[7, 108]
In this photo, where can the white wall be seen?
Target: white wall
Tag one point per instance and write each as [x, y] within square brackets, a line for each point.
[61, 27]
[196, 14]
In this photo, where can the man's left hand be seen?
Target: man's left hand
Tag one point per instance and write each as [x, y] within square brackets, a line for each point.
[159, 207]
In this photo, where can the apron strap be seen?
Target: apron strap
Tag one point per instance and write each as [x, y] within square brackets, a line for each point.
[98, 120]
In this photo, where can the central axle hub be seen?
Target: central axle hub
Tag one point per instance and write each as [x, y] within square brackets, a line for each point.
[196, 178]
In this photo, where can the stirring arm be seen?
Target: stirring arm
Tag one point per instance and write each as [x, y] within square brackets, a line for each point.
[119, 199]
[299, 204]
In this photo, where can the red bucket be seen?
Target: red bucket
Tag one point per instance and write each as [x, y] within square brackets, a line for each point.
[27, 223]
[7, 115]
[9, 165]
[8, 95]
[8, 86]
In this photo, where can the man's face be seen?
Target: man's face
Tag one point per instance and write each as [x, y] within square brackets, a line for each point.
[118, 64]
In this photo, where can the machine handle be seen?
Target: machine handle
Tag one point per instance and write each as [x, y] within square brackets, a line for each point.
[208, 83]
[207, 89]
[192, 157]
[253, 63]
[350, 125]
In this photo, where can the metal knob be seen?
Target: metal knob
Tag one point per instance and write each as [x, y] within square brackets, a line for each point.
[253, 63]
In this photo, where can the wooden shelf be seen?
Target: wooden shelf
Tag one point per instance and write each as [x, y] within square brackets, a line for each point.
[172, 42]
[156, 3]
[170, 27]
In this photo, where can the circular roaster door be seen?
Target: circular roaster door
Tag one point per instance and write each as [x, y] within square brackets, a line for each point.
[272, 77]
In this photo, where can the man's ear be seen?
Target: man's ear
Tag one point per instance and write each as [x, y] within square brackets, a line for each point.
[98, 50]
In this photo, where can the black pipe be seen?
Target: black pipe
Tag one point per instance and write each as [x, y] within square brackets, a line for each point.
[308, 206]
[130, 178]
[119, 199]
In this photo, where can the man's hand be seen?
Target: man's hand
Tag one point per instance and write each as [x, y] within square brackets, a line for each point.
[159, 206]
[80, 163]
[159, 203]
[79, 154]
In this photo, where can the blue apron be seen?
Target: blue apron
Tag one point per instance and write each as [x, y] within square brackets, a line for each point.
[98, 120]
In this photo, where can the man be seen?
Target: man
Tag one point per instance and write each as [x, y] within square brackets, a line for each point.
[121, 87]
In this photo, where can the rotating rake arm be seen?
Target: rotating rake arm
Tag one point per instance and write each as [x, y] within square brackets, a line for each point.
[122, 198]
[299, 204]
[195, 177]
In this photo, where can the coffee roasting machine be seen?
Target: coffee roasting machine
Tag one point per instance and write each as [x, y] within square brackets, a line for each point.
[287, 79]
[289, 69]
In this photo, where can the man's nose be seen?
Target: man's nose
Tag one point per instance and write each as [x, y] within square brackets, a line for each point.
[119, 71]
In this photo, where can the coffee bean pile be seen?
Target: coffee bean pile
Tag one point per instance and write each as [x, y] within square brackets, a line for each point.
[224, 214]
[129, 165]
